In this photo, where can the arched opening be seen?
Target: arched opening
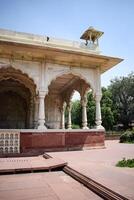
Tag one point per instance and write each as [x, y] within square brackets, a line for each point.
[14, 105]
[60, 91]
[16, 100]
[76, 96]
[76, 110]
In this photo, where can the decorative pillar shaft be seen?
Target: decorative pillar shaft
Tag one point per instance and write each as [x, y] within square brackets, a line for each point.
[98, 112]
[63, 117]
[84, 112]
[41, 117]
[98, 96]
[69, 124]
[36, 112]
[31, 114]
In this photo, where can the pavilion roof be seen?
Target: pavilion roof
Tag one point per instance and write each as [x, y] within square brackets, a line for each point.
[29, 47]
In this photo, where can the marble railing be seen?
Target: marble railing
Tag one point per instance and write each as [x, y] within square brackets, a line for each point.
[9, 142]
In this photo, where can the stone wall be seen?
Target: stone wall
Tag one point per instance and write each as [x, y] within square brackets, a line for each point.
[32, 142]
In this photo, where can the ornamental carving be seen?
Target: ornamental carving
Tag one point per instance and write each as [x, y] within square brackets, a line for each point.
[10, 73]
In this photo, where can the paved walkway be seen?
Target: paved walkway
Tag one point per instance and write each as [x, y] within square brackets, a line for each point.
[99, 164]
[43, 186]
[29, 163]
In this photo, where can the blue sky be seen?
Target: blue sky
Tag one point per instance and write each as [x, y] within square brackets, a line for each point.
[69, 18]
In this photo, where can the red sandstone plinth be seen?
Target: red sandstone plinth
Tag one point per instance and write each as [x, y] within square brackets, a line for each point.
[59, 140]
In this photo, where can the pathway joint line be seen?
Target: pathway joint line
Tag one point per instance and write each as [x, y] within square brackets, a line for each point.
[94, 186]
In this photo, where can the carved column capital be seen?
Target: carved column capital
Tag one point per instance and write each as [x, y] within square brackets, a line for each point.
[69, 106]
[63, 107]
[98, 97]
[43, 93]
[84, 101]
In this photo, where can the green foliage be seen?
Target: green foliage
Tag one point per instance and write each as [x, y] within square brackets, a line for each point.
[125, 163]
[90, 109]
[75, 126]
[106, 109]
[117, 105]
[114, 133]
[127, 137]
[106, 106]
[122, 90]
[76, 113]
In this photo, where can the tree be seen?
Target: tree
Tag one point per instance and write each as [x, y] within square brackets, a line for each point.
[90, 110]
[76, 113]
[106, 106]
[117, 104]
[107, 109]
[122, 90]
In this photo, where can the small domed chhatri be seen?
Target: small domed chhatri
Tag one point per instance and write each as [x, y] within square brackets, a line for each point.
[92, 36]
[38, 75]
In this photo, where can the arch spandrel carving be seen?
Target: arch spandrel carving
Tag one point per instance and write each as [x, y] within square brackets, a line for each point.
[87, 76]
[8, 72]
[31, 69]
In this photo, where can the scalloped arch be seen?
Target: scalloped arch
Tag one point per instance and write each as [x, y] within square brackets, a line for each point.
[16, 74]
[73, 73]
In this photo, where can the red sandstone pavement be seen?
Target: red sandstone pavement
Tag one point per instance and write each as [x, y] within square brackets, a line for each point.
[29, 163]
[39, 186]
[43, 186]
[99, 164]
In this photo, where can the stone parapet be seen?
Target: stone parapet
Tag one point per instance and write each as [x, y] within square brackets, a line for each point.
[9, 142]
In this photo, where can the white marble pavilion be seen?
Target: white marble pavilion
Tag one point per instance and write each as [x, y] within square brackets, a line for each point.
[38, 76]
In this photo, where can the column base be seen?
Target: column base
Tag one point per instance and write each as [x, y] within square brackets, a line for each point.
[100, 127]
[35, 124]
[85, 127]
[42, 128]
[69, 128]
[62, 127]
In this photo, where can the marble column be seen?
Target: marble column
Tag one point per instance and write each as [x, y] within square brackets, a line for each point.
[63, 117]
[36, 112]
[41, 116]
[69, 124]
[98, 112]
[31, 114]
[84, 112]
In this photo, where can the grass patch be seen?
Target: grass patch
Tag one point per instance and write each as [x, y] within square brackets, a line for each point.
[127, 137]
[125, 163]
